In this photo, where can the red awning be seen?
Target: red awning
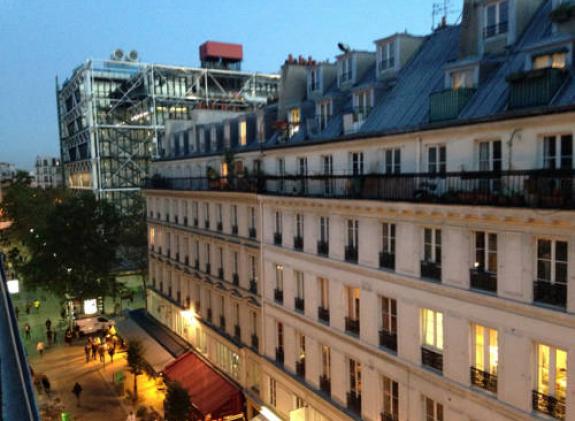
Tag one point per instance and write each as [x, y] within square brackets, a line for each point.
[209, 391]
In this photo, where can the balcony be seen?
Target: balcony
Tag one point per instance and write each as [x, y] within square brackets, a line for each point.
[208, 268]
[534, 88]
[176, 219]
[207, 224]
[388, 340]
[196, 222]
[221, 273]
[494, 30]
[323, 314]
[432, 359]
[252, 233]
[553, 294]
[483, 281]
[186, 221]
[277, 238]
[237, 332]
[235, 279]
[325, 384]
[223, 322]
[446, 105]
[253, 286]
[278, 296]
[209, 315]
[187, 261]
[299, 304]
[167, 217]
[548, 405]
[219, 227]
[234, 230]
[542, 189]
[483, 379]
[431, 271]
[350, 254]
[323, 248]
[255, 342]
[196, 264]
[298, 243]
[280, 355]
[354, 402]
[351, 326]
[386, 260]
[300, 368]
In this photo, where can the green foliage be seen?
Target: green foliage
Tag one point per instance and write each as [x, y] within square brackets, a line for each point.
[177, 405]
[133, 238]
[136, 363]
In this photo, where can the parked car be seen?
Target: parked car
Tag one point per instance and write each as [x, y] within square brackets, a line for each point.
[94, 324]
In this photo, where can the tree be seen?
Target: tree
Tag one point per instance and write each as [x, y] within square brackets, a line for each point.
[177, 405]
[136, 363]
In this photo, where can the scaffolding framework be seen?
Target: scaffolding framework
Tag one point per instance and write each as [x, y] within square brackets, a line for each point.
[112, 115]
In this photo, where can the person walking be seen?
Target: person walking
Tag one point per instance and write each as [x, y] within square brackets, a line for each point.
[68, 337]
[102, 354]
[77, 391]
[27, 330]
[88, 351]
[40, 348]
[48, 324]
[94, 350]
[46, 384]
[111, 352]
[49, 337]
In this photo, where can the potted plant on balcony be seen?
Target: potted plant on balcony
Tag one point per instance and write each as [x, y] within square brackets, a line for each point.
[213, 176]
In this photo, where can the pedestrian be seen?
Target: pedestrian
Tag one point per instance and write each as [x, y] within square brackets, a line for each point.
[131, 416]
[94, 350]
[77, 330]
[17, 311]
[68, 337]
[77, 391]
[27, 330]
[46, 384]
[40, 348]
[49, 337]
[111, 352]
[102, 353]
[87, 351]
[48, 324]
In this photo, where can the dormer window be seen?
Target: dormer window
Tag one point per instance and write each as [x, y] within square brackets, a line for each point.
[362, 105]
[294, 121]
[314, 79]
[496, 18]
[461, 79]
[557, 60]
[243, 133]
[324, 113]
[385, 56]
[345, 69]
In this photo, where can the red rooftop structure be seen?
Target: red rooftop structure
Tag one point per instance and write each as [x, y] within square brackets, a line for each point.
[221, 55]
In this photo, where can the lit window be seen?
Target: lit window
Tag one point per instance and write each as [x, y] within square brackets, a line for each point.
[353, 296]
[325, 361]
[279, 269]
[462, 79]
[355, 380]
[554, 60]
[551, 381]
[390, 398]
[486, 349]
[243, 133]
[299, 284]
[294, 121]
[432, 329]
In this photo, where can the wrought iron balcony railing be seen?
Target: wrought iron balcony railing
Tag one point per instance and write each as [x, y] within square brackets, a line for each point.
[352, 326]
[432, 359]
[483, 379]
[535, 87]
[299, 304]
[386, 260]
[388, 340]
[252, 233]
[548, 405]
[354, 402]
[548, 188]
[278, 296]
[350, 254]
[255, 342]
[277, 238]
[323, 248]
[298, 243]
[325, 384]
[554, 294]
[300, 367]
[323, 314]
[280, 355]
[482, 280]
[431, 271]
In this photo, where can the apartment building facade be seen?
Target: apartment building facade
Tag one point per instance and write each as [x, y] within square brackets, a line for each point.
[414, 219]
[47, 172]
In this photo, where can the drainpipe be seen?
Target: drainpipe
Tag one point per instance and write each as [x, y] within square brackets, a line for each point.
[510, 147]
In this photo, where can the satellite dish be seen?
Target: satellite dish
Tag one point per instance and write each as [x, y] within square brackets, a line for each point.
[133, 55]
[118, 54]
[343, 47]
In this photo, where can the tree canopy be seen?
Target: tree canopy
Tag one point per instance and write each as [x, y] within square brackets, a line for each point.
[177, 405]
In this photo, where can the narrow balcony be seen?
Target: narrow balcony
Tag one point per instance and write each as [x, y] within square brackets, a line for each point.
[325, 384]
[351, 254]
[196, 264]
[482, 280]
[234, 230]
[431, 271]
[221, 273]
[536, 188]
[235, 279]
[300, 368]
[323, 248]
[553, 294]
[299, 304]
[323, 314]
[176, 219]
[277, 238]
[196, 222]
[252, 233]
[237, 332]
[220, 227]
[483, 379]
[548, 405]
[223, 322]
[298, 243]
[354, 402]
[207, 224]
[280, 355]
[186, 221]
[447, 104]
[187, 261]
[208, 268]
[494, 30]
[351, 326]
[534, 88]
[209, 315]
[388, 340]
[253, 286]
[386, 260]
[255, 342]
[278, 296]
[432, 359]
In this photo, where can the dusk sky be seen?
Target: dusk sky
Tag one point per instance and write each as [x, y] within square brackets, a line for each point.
[42, 39]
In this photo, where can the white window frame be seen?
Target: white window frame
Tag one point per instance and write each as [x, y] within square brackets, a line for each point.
[552, 371]
[356, 163]
[555, 161]
[299, 284]
[324, 229]
[552, 260]
[487, 364]
[487, 251]
[352, 233]
[435, 243]
[391, 160]
[438, 165]
[436, 343]
[390, 396]
[386, 55]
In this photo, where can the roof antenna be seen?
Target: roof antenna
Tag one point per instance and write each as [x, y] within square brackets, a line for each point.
[441, 9]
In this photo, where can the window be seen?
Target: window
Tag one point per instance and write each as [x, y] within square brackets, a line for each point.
[436, 159]
[486, 252]
[298, 402]
[261, 128]
[362, 101]
[490, 155]
[353, 295]
[324, 113]
[327, 169]
[386, 56]
[236, 265]
[207, 214]
[432, 329]
[356, 161]
[355, 377]
[485, 349]
[314, 79]
[323, 293]
[243, 133]
[273, 396]
[352, 233]
[253, 268]
[302, 166]
[555, 60]
[432, 245]
[345, 69]
[234, 216]
[294, 121]
[390, 398]
[325, 361]
[300, 340]
[279, 269]
[389, 315]
[552, 261]
[219, 213]
[324, 229]
[299, 287]
[214, 138]
[392, 161]
[278, 222]
[388, 238]
[254, 323]
[299, 225]
[252, 217]
[433, 410]
[279, 335]
[281, 167]
[552, 373]
[558, 151]
[460, 79]
[496, 18]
